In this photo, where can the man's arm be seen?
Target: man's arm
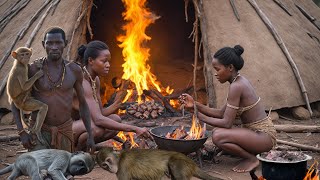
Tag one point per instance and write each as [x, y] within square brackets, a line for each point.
[83, 106]
[26, 139]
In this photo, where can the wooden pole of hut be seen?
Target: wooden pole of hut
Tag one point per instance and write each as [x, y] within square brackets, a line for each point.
[284, 49]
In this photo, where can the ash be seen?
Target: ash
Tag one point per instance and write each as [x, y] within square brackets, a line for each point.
[284, 156]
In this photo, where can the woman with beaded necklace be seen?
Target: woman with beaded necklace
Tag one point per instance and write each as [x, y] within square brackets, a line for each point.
[257, 134]
[95, 57]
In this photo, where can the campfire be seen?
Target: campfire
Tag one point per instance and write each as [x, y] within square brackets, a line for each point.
[135, 68]
[146, 98]
[126, 137]
[196, 132]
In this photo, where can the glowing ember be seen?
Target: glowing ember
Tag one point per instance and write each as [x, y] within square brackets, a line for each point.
[313, 172]
[125, 137]
[196, 132]
[136, 55]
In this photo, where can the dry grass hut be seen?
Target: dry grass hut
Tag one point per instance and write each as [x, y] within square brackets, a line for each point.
[22, 22]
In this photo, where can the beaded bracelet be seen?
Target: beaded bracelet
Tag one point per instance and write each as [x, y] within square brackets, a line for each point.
[21, 131]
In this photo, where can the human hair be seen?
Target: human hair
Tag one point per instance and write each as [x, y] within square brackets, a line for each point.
[54, 30]
[92, 50]
[229, 55]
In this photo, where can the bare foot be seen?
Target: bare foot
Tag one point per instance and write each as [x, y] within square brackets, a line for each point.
[246, 165]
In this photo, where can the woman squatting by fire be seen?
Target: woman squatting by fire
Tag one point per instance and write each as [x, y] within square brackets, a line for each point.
[94, 58]
[257, 134]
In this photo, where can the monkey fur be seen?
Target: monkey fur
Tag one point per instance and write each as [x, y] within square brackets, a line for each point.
[149, 164]
[19, 89]
[55, 163]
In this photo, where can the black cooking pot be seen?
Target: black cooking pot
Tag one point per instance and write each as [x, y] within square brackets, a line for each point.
[179, 145]
[276, 170]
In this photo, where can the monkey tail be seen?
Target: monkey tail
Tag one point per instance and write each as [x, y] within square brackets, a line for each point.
[203, 175]
[6, 169]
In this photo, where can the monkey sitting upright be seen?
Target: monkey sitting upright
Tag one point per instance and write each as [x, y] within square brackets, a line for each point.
[19, 89]
[56, 163]
[149, 164]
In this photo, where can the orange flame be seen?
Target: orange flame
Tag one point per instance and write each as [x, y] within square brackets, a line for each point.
[136, 55]
[313, 173]
[195, 130]
[124, 137]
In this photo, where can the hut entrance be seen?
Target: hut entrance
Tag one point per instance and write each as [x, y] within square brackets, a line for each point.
[171, 49]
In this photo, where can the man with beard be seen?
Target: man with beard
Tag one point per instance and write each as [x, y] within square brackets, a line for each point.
[55, 88]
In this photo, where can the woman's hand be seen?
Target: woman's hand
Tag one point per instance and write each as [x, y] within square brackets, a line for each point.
[143, 132]
[186, 100]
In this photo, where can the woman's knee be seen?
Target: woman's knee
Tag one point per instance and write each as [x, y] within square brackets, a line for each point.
[96, 131]
[218, 136]
[115, 117]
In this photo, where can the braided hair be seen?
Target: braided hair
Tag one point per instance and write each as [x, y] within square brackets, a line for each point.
[229, 55]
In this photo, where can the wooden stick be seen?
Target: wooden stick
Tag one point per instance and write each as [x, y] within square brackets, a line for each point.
[76, 26]
[9, 11]
[165, 101]
[313, 37]
[196, 47]
[177, 93]
[34, 17]
[14, 13]
[234, 8]
[3, 84]
[300, 146]
[286, 118]
[308, 16]
[282, 6]
[289, 128]
[284, 49]
[305, 13]
[54, 8]
[88, 19]
[20, 35]
[5, 57]
[9, 138]
[207, 69]
[3, 2]
[37, 28]
[186, 3]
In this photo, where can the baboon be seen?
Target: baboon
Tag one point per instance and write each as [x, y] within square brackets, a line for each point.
[55, 163]
[149, 164]
[19, 89]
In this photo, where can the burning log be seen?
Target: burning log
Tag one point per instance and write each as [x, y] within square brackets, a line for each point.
[165, 101]
[146, 110]
[177, 93]
[178, 133]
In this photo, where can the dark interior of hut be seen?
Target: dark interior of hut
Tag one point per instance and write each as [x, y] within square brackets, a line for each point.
[171, 47]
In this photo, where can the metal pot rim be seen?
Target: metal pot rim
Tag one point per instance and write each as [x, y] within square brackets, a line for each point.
[205, 137]
[283, 162]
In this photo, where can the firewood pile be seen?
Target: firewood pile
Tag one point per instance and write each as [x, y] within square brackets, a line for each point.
[146, 110]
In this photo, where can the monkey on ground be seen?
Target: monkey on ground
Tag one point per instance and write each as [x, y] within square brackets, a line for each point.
[56, 163]
[19, 89]
[149, 164]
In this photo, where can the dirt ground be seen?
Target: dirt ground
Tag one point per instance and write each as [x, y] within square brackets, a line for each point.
[10, 150]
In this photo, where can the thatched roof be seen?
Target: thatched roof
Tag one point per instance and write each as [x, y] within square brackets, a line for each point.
[265, 64]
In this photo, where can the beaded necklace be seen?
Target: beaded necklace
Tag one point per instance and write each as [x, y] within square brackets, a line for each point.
[93, 84]
[55, 84]
[235, 78]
